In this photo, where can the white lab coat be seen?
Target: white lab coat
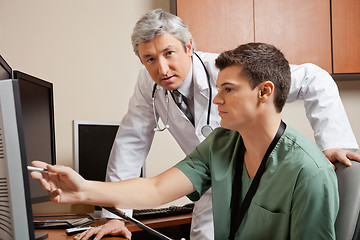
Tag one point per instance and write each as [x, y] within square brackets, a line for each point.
[310, 83]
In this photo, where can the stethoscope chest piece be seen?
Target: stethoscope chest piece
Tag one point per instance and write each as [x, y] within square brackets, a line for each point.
[206, 130]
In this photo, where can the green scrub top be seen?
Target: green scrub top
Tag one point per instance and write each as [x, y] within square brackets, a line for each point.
[297, 197]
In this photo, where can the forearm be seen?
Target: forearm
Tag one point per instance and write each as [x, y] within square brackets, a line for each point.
[132, 193]
[139, 192]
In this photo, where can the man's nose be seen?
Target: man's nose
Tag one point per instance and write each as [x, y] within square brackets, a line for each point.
[217, 99]
[163, 66]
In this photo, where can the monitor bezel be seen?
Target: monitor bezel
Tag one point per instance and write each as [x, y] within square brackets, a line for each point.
[15, 159]
[18, 75]
[76, 124]
[26, 77]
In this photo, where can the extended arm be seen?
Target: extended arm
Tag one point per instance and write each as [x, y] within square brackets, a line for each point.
[324, 110]
[66, 186]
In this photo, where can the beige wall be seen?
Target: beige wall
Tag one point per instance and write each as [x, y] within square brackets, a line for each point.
[83, 47]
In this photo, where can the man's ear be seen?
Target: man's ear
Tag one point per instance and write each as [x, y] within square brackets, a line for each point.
[266, 90]
[189, 50]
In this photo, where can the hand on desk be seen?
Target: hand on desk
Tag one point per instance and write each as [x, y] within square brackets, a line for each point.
[343, 156]
[115, 227]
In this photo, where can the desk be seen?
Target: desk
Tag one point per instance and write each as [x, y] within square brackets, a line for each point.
[180, 224]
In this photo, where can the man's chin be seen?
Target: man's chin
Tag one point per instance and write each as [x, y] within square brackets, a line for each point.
[223, 124]
[171, 86]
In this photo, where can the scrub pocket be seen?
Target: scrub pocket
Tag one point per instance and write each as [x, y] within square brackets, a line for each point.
[261, 223]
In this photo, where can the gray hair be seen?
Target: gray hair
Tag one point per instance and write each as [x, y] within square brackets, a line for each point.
[158, 22]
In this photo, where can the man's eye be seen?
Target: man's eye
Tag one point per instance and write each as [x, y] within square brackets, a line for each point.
[228, 90]
[169, 53]
[150, 60]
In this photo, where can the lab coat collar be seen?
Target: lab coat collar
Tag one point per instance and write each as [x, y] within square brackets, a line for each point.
[198, 72]
[201, 92]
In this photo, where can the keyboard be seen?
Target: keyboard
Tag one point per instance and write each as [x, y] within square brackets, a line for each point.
[162, 212]
[61, 223]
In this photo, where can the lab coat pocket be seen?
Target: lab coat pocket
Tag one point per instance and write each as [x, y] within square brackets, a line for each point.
[262, 223]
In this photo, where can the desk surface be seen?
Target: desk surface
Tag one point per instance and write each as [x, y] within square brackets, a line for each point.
[60, 234]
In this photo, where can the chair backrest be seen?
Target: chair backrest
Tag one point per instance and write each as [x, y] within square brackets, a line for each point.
[347, 222]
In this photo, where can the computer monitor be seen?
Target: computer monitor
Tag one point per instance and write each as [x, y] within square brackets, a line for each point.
[16, 220]
[93, 141]
[37, 111]
[5, 69]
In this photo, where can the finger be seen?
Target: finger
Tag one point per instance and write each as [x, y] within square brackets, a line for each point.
[55, 196]
[58, 169]
[126, 233]
[82, 234]
[89, 233]
[36, 175]
[122, 231]
[100, 234]
[353, 156]
[39, 164]
[45, 185]
[337, 155]
[333, 165]
[107, 229]
[343, 159]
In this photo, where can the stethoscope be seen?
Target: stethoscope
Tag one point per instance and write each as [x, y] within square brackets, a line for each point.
[205, 130]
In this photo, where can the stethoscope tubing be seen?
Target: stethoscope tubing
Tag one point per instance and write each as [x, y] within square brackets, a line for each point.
[205, 130]
[210, 90]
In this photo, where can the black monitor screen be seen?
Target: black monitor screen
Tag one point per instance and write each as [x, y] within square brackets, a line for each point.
[93, 141]
[36, 98]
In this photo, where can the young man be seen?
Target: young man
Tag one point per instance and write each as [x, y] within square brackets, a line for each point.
[165, 46]
[286, 187]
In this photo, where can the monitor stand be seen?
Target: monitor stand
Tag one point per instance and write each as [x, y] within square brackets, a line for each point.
[96, 214]
[40, 236]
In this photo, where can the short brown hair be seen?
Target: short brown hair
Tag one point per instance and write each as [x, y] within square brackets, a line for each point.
[260, 62]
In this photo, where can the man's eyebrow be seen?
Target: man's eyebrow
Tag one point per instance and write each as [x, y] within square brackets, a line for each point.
[146, 56]
[164, 50]
[226, 84]
[167, 48]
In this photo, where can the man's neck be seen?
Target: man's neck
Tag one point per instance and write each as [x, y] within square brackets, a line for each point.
[257, 139]
[186, 88]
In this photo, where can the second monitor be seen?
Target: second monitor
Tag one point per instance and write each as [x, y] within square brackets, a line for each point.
[93, 141]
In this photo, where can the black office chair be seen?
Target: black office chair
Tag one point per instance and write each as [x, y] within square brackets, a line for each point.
[347, 225]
